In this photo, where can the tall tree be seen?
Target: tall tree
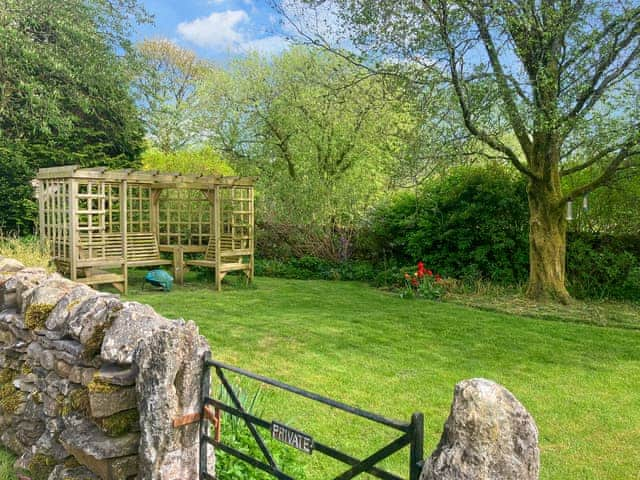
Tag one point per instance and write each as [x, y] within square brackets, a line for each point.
[63, 92]
[165, 86]
[562, 74]
[312, 126]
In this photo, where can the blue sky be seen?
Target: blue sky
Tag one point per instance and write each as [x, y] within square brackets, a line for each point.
[216, 29]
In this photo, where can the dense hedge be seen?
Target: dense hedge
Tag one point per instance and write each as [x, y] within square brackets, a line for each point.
[470, 225]
[603, 266]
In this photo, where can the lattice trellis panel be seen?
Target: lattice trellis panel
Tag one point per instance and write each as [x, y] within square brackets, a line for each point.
[139, 208]
[55, 219]
[93, 230]
[184, 218]
[236, 209]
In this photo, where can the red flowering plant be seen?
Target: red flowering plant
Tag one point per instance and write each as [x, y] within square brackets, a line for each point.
[423, 283]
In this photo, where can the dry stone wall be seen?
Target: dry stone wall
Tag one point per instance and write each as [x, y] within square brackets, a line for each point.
[90, 385]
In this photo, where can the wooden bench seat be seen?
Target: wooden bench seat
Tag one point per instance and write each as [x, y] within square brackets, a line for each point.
[230, 260]
[107, 249]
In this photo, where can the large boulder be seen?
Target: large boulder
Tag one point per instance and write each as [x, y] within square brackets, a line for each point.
[489, 435]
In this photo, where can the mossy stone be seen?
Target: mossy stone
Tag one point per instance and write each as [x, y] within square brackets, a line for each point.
[76, 401]
[71, 462]
[93, 345]
[41, 466]
[97, 386]
[7, 375]
[10, 398]
[36, 315]
[119, 423]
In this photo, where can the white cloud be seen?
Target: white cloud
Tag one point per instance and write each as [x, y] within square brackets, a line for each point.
[266, 46]
[218, 31]
[226, 31]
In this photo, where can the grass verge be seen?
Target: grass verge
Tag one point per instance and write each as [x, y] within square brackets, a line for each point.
[371, 349]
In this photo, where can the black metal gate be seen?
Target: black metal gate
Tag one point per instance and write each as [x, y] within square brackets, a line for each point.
[412, 433]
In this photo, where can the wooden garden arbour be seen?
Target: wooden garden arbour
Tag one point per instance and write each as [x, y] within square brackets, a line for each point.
[100, 222]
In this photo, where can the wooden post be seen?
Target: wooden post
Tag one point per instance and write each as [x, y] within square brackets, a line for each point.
[40, 189]
[252, 234]
[217, 220]
[178, 264]
[74, 249]
[123, 232]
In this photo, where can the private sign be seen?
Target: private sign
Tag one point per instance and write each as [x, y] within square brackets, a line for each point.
[292, 437]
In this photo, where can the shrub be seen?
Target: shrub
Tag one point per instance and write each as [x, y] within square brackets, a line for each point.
[603, 266]
[472, 224]
[203, 161]
[391, 277]
[314, 268]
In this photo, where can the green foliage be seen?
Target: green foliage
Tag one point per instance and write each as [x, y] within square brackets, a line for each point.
[311, 126]
[560, 77]
[165, 84]
[604, 266]
[472, 224]
[236, 434]
[201, 161]
[6, 465]
[308, 268]
[27, 250]
[65, 94]
[610, 210]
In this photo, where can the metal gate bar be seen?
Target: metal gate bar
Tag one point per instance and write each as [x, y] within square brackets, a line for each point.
[413, 431]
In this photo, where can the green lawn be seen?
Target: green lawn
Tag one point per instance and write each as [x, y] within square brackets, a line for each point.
[393, 356]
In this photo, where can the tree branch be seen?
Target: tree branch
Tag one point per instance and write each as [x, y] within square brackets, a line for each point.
[607, 176]
[492, 142]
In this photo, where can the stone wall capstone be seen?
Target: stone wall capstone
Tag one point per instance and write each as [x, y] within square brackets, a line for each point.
[489, 435]
[90, 385]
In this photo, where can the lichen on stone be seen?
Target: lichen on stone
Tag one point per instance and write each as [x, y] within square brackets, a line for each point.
[10, 398]
[36, 315]
[72, 305]
[76, 401]
[41, 466]
[93, 345]
[71, 462]
[96, 386]
[26, 369]
[36, 397]
[7, 375]
[119, 423]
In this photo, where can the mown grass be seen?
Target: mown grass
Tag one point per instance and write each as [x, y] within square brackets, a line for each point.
[391, 356]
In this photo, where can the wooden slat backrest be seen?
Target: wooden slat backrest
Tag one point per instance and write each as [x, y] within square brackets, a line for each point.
[226, 245]
[140, 246]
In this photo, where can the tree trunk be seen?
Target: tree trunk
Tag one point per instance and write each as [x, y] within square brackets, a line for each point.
[547, 242]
